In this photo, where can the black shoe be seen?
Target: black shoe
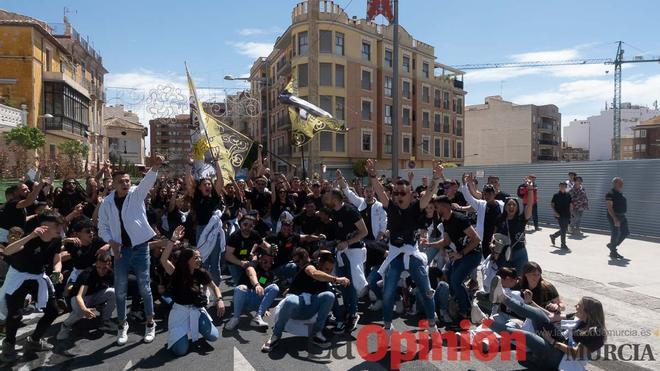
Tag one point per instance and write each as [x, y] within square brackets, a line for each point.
[320, 341]
[552, 239]
[615, 255]
[340, 328]
[37, 345]
[9, 353]
[564, 247]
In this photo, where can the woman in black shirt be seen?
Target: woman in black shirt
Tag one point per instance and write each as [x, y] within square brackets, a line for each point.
[188, 288]
[512, 223]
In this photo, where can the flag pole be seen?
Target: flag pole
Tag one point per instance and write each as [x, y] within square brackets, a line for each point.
[200, 113]
[395, 92]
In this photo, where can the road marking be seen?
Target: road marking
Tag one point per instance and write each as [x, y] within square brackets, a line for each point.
[240, 363]
[128, 366]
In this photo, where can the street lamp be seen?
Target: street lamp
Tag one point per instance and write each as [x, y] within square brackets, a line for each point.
[265, 82]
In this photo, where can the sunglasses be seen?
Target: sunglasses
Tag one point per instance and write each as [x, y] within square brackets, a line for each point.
[399, 193]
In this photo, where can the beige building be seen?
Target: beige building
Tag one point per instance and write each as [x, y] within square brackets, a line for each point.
[569, 153]
[344, 65]
[171, 137]
[124, 136]
[501, 132]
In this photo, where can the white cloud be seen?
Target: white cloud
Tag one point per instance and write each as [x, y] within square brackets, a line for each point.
[252, 49]
[550, 55]
[258, 31]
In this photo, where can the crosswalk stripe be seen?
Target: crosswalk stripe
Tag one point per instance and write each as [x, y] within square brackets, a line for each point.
[240, 363]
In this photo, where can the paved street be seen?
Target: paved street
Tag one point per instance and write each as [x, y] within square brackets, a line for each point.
[628, 290]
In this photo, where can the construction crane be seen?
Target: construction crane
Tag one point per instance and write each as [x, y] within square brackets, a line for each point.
[618, 61]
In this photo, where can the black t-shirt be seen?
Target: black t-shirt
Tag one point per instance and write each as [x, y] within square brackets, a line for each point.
[420, 189]
[242, 245]
[619, 203]
[501, 196]
[302, 282]
[455, 227]
[265, 278]
[259, 201]
[232, 205]
[366, 216]
[36, 255]
[285, 247]
[12, 216]
[345, 219]
[125, 238]
[493, 212]
[513, 228]
[188, 291]
[84, 257]
[317, 200]
[562, 201]
[299, 198]
[403, 224]
[278, 207]
[262, 228]
[592, 338]
[204, 207]
[308, 224]
[95, 283]
[65, 203]
[459, 199]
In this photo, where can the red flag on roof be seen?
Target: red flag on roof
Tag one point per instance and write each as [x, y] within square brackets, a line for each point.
[376, 7]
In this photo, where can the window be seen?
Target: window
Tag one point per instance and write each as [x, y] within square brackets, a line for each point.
[453, 105]
[388, 58]
[445, 124]
[340, 144]
[326, 141]
[366, 51]
[459, 127]
[303, 45]
[388, 86]
[437, 147]
[325, 102]
[302, 75]
[339, 108]
[445, 100]
[366, 80]
[436, 98]
[325, 41]
[642, 133]
[47, 60]
[459, 106]
[406, 144]
[425, 69]
[406, 116]
[459, 149]
[366, 140]
[387, 144]
[426, 144]
[388, 114]
[406, 89]
[339, 75]
[339, 43]
[426, 94]
[53, 151]
[406, 63]
[325, 74]
[426, 120]
[642, 147]
[446, 148]
[436, 122]
[366, 110]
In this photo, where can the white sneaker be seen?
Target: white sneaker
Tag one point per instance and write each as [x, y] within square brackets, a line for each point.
[122, 334]
[232, 324]
[149, 333]
[258, 321]
[496, 291]
[376, 306]
[476, 315]
[64, 332]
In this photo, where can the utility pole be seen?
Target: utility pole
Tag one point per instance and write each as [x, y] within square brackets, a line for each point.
[616, 105]
[395, 92]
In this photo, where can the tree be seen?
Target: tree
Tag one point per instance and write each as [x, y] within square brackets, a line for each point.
[75, 152]
[22, 139]
[360, 168]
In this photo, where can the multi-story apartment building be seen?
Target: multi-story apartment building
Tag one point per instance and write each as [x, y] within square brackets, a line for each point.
[171, 137]
[501, 132]
[53, 70]
[569, 153]
[124, 136]
[344, 65]
[647, 139]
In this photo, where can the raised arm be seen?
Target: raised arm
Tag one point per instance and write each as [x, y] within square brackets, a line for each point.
[164, 258]
[437, 177]
[375, 184]
[219, 181]
[32, 196]
[150, 178]
[530, 198]
[468, 191]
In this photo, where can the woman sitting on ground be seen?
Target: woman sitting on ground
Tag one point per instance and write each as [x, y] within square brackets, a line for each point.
[543, 293]
[581, 334]
[188, 288]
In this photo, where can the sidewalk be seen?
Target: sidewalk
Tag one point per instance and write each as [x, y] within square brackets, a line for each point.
[629, 290]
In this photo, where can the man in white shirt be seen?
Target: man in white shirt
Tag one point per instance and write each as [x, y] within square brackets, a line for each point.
[124, 226]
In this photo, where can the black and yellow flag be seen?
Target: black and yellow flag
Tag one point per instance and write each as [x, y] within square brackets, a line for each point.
[307, 119]
[214, 140]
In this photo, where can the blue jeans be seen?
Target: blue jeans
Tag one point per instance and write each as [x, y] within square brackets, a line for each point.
[212, 263]
[248, 299]
[544, 354]
[294, 307]
[372, 282]
[206, 328]
[286, 271]
[135, 259]
[421, 278]
[348, 293]
[236, 272]
[458, 272]
[441, 296]
[517, 261]
[618, 233]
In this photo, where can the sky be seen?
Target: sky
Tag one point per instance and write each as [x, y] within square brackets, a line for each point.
[144, 44]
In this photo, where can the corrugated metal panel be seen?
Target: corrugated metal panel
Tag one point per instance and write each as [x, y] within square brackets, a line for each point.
[641, 188]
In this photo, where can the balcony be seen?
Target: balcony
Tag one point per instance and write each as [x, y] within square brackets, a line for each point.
[458, 84]
[68, 127]
[11, 117]
[546, 158]
[548, 142]
[61, 77]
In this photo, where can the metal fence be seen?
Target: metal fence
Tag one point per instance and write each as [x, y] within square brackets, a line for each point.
[641, 188]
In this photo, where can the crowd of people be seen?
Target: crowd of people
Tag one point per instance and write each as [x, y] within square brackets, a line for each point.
[309, 253]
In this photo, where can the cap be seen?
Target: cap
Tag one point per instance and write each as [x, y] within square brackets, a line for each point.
[500, 241]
